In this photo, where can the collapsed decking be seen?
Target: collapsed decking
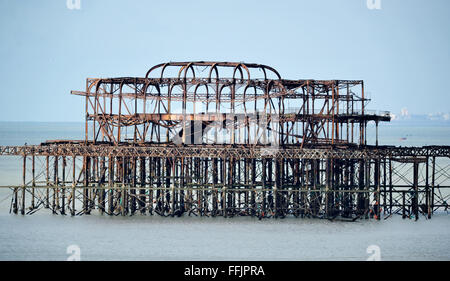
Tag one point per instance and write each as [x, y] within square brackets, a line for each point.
[215, 139]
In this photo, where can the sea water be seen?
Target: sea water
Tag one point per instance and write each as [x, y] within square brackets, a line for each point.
[43, 236]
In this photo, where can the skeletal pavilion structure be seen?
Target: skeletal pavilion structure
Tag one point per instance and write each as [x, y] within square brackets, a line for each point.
[229, 139]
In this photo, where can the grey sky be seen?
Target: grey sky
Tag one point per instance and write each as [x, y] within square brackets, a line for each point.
[401, 51]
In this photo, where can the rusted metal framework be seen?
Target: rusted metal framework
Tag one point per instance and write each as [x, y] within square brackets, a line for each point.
[227, 139]
[162, 109]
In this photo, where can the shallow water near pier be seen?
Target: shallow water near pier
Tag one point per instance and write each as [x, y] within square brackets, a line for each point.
[43, 236]
[46, 237]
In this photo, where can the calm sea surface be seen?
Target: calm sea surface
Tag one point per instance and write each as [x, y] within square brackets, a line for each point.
[43, 236]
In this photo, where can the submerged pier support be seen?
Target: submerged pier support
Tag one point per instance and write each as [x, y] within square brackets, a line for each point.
[294, 182]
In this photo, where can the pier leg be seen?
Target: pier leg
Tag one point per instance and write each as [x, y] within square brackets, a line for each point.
[24, 183]
[415, 200]
[142, 180]
[328, 177]
[264, 186]
[253, 188]
[47, 182]
[133, 184]
[101, 185]
[230, 188]
[377, 178]
[73, 186]
[403, 204]
[123, 191]
[390, 187]
[172, 187]
[15, 203]
[361, 199]
[433, 177]
[427, 188]
[85, 184]
[275, 188]
[224, 187]
[33, 181]
[63, 190]
[111, 184]
[214, 187]
[55, 184]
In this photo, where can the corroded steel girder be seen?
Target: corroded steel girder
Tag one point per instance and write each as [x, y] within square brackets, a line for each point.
[226, 151]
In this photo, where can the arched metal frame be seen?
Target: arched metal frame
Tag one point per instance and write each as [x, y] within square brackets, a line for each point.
[318, 120]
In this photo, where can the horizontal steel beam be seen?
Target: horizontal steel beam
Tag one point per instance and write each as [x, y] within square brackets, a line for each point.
[227, 151]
